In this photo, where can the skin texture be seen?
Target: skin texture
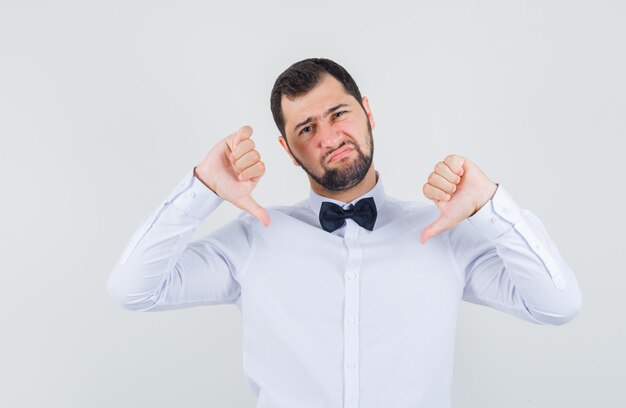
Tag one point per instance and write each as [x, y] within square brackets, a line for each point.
[233, 167]
[459, 189]
[313, 145]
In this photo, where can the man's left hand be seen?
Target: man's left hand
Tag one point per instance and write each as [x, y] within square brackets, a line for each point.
[459, 189]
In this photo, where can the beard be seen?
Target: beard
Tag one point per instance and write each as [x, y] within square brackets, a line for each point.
[347, 175]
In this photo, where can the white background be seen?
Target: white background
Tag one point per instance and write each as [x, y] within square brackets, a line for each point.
[105, 105]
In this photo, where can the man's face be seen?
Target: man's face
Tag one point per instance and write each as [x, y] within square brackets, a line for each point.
[329, 135]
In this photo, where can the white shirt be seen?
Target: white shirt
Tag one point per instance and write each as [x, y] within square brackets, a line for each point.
[352, 318]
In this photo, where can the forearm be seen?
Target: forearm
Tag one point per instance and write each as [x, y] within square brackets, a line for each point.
[520, 269]
[156, 246]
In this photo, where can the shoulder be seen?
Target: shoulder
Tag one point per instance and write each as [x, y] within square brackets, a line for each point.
[299, 210]
[405, 215]
[409, 208]
[288, 209]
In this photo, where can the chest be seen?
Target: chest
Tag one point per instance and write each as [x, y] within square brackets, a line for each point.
[388, 268]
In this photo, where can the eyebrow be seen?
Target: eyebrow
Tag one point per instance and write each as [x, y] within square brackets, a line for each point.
[310, 118]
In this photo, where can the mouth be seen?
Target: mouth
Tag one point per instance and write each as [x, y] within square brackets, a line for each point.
[342, 152]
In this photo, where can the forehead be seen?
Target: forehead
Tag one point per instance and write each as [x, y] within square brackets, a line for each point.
[328, 92]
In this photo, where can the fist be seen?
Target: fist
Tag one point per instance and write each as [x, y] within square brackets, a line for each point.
[232, 169]
[459, 189]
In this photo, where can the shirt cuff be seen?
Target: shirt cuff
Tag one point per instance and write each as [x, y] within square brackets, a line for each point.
[498, 215]
[194, 198]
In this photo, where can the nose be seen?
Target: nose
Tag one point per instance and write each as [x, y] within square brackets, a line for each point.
[329, 136]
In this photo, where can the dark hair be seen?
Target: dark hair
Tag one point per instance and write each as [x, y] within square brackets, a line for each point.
[301, 77]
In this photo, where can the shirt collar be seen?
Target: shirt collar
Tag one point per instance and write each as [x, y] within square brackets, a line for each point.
[377, 192]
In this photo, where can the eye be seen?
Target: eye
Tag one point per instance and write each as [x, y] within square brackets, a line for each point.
[303, 129]
[338, 113]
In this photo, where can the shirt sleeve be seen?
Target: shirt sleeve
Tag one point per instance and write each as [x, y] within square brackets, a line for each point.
[511, 264]
[159, 270]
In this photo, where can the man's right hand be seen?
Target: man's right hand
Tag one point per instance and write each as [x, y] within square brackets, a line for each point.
[232, 169]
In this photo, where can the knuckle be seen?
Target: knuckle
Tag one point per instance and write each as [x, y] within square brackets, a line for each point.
[440, 166]
[241, 148]
[432, 178]
[454, 161]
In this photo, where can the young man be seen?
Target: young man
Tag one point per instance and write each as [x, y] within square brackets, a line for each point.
[349, 298]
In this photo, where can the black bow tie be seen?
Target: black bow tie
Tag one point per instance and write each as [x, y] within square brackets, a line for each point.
[333, 216]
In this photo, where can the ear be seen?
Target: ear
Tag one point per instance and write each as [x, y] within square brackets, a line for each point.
[283, 143]
[366, 105]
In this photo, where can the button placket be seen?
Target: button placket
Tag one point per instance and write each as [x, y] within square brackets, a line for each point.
[351, 307]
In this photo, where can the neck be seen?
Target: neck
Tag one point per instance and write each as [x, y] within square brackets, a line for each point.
[346, 196]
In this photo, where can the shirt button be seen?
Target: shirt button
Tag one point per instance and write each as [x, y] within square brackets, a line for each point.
[493, 220]
[537, 246]
[191, 194]
[350, 319]
[351, 276]
[351, 364]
